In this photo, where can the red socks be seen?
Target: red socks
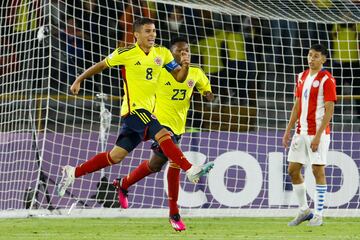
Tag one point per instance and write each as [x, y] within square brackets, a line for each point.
[136, 175]
[173, 178]
[174, 154]
[99, 161]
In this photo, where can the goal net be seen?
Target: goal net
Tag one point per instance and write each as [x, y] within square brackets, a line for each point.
[250, 50]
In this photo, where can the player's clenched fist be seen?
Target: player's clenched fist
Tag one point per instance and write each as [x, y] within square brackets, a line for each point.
[75, 88]
[185, 58]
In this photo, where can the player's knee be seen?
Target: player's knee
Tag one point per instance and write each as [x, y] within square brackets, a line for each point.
[162, 135]
[117, 154]
[293, 172]
[318, 172]
[156, 165]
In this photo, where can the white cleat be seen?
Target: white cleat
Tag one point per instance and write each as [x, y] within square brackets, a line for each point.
[316, 221]
[195, 172]
[67, 179]
[301, 217]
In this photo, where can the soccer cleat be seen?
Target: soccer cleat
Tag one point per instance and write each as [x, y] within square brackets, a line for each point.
[301, 217]
[177, 223]
[195, 172]
[67, 179]
[122, 193]
[316, 221]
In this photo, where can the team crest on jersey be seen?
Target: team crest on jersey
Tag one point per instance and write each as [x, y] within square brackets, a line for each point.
[153, 116]
[190, 83]
[316, 83]
[158, 61]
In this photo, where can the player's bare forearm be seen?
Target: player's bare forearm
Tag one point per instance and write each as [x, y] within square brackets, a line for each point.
[91, 71]
[95, 69]
[292, 121]
[180, 73]
[329, 111]
[293, 116]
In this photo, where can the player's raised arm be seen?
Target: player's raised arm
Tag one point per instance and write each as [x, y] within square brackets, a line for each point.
[180, 73]
[91, 71]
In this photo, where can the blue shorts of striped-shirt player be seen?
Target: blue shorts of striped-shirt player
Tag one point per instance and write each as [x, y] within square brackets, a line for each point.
[156, 147]
[140, 125]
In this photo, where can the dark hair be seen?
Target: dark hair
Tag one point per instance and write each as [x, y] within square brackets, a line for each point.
[177, 40]
[319, 48]
[140, 22]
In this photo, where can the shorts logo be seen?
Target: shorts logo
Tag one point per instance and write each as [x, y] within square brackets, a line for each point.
[158, 61]
[316, 84]
[153, 116]
[190, 83]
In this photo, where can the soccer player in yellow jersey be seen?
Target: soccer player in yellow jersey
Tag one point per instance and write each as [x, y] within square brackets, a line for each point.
[171, 108]
[141, 65]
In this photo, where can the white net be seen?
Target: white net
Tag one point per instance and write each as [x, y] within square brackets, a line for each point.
[251, 52]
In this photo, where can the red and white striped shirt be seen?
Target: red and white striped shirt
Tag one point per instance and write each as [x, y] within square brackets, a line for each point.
[313, 92]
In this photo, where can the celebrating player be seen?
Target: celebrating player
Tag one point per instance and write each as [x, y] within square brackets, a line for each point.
[141, 66]
[171, 108]
[312, 110]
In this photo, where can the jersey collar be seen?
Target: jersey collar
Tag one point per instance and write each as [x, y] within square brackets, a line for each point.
[137, 46]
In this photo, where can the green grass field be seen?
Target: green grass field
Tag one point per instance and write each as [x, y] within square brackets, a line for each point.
[159, 228]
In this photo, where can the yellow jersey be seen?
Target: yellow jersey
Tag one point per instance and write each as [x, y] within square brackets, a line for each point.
[140, 72]
[173, 98]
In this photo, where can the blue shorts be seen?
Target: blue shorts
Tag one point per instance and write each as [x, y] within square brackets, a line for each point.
[140, 125]
[156, 147]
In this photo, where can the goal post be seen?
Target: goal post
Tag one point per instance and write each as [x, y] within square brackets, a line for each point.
[250, 50]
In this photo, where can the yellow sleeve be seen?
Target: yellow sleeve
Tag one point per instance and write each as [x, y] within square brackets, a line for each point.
[203, 84]
[116, 58]
[168, 56]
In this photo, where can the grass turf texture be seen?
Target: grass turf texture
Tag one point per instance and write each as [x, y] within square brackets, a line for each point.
[159, 228]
